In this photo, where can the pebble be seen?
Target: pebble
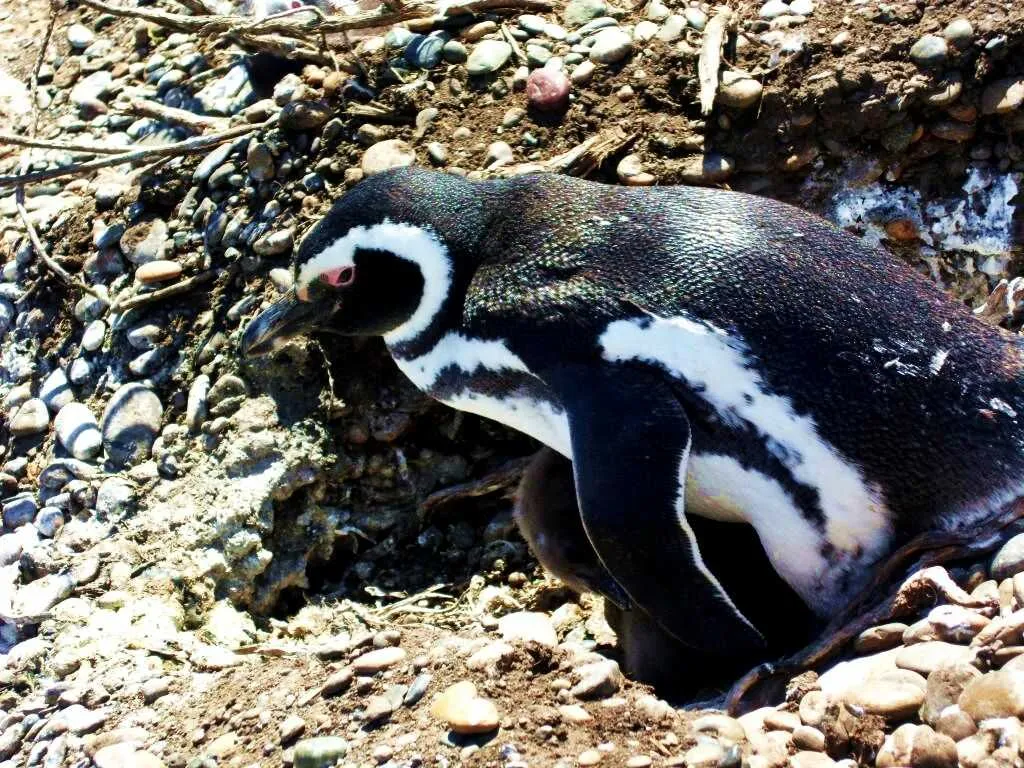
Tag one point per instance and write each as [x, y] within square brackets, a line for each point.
[454, 52]
[639, 761]
[477, 31]
[78, 431]
[212, 162]
[924, 658]
[376, 661]
[706, 755]
[959, 32]
[672, 28]
[417, 689]
[547, 89]
[155, 688]
[7, 313]
[806, 759]
[644, 30]
[19, 510]
[773, 8]
[303, 115]
[80, 36]
[93, 335]
[488, 56]
[49, 521]
[425, 51]
[39, 596]
[888, 697]
[611, 45]
[880, 638]
[145, 241]
[711, 168]
[583, 73]
[126, 756]
[398, 37]
[31, 418]
[1003, 97]
[55, 390]
[588, 757]
[695, 17]
[738, 90]
[527, 627]
[387, 154]
[537, 55]
[944, 687]
[274, 243]
[499, 153]
[260, 161]
[929, 51]
[464, 711]
[598, 680]
[806, 737]
[917, 745]
[130, 424]
[319, 752]
[630, 171]
[579, 12]
[196, 405]
[802, 7]
[291, 728]
[997, 694]
[158, 271]
[727, 729]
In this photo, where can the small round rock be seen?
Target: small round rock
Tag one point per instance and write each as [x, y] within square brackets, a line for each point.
[929, 51]
[385, 155]
[488, 56]
[159, 271]
[464, 711]
[547, 89]
[611, 45]
[376, 661]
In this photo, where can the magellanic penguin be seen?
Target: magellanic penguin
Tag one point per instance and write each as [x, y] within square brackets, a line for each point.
[693, 352]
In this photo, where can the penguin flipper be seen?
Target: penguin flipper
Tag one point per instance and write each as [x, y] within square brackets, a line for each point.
[630, 442]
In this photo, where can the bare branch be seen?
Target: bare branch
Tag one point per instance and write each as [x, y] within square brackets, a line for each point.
[182, 117]
[191, 146]
[25, 141]
[711, 57]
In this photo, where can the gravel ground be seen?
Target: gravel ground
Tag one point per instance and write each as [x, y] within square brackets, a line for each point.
[206, 561]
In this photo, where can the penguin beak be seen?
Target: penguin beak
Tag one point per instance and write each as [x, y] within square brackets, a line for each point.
[283, 319]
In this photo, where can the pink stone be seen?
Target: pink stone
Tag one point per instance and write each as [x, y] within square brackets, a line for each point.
[547, 89]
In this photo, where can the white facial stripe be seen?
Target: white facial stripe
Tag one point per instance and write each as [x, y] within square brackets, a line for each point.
[718, 487]
[405, 241]
[717, 364]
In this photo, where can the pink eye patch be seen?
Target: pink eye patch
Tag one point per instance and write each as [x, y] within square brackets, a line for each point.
[339, 277]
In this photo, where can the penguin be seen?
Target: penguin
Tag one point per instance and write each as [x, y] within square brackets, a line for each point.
[693, 352]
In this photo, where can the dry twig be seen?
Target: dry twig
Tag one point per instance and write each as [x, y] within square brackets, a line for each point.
[711, 57]
[295, 26]
[25, 141]
[578, 161]
[143, 299]
[182, 117]
[191, 146]
[19, 191]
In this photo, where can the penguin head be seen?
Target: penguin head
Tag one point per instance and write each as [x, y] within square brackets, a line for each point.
[382, 262]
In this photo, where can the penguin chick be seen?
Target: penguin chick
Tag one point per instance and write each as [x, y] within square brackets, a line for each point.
[697, 354]
[548, 518]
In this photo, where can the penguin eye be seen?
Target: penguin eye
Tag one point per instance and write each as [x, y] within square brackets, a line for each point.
[339, 278]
